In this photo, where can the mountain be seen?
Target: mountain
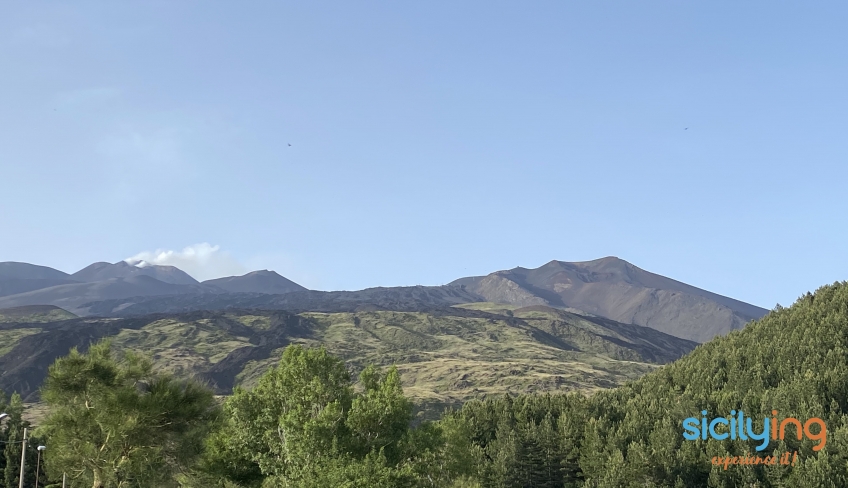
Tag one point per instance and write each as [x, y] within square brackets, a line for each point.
[72, 296]
[263, 281]
[23, 284]
[608, 287]
[446, 357]
[615, 289]
[23, 277]
[26, 271]
[402, 298]
[105, 271]
[13, 286]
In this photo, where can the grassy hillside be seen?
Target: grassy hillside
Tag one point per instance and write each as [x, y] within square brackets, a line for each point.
[445, 356]
[34, 313]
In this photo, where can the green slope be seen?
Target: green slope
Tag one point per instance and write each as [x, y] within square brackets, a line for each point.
[446, 356]
[794, 361]
[34, 313]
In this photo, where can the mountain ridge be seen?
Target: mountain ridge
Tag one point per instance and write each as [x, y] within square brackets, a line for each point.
[21, 271]
[260, 281]
[608, 287]
[616, 289]
[71, 296]
[403, 298]
[102, 271]
[24, 284]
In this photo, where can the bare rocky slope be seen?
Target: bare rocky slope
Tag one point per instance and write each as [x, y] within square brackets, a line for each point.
[73, 295]
[23, 284]
[106, 271]
[263, 281]
[24, 277]
[401, 298]
[615, 289]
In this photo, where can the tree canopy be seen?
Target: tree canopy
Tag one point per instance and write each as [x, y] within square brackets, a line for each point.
[305, 425]
[114, 421]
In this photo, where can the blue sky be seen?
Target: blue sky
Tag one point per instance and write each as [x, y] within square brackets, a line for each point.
[704, 141]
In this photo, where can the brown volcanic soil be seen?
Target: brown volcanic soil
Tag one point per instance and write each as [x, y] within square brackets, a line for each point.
[615, 289]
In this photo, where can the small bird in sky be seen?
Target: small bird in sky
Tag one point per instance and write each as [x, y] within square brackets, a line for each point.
[683, 129]
[289, 144]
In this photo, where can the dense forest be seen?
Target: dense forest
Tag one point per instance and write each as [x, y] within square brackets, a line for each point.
[115, 421]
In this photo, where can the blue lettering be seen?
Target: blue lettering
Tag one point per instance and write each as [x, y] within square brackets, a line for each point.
[718, 437]
[733, 425]
[741, 424]
[763, 436]
[691, 425]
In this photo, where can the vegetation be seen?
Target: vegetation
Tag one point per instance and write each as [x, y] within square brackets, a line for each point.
[9, 338]
[34, 314]
[305, 423]
[445, 357]
[795, 361]
[11, 433]
[116, 422]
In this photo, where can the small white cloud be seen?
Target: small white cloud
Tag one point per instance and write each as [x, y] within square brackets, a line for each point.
[202, 261]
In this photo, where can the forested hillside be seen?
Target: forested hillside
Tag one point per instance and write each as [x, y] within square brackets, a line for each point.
[794, 360]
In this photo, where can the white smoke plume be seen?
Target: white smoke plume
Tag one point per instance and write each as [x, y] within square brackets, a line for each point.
[202, 261]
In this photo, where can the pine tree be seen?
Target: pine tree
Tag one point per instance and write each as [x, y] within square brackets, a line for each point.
[114, 421]
[14, 427]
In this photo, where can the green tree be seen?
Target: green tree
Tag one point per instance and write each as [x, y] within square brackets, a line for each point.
[442, 454]
[294, 416]
[223, 464]
[113, 421]
[380, 417]
[11, 435]
[304, 425]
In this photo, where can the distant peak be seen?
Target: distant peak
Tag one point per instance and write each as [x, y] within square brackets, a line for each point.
[126, 268]
[261, 281]
[265, 272]
[604, 260]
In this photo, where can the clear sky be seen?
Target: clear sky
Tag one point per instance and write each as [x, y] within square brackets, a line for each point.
[705, 141]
